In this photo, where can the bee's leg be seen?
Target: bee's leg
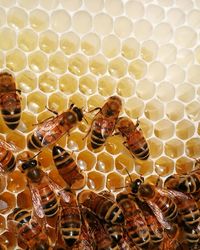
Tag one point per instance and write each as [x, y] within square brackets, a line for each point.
[52, 111]
[19, 91]
[98, 108]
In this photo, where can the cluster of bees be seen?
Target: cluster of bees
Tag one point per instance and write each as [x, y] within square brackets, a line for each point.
[144, 217]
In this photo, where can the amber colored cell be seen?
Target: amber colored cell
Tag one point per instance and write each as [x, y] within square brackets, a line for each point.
[117, 67]
[17, 18]
[193, 147]
[124, 163]
[164, 129]
[48, 41]
[16, 182]
[98, 65]
[175, 110]
[11, 240]
[57, 102]
[58, 63]
[95, 101]
[174, 148]
[88, 84]
[17, 139]
[114, 182]
[105, 163]
[134, 107]
[75, 141]
[184, 165]
[2, 183]
[106, 85]
[7, 202]
[78, 64]
[137, 69]
[126, 87]
[36, 102]
[45, 159]
[10, 41]
[95, 181]
[155, 147]
[149, 50]
[154, 180]
[164, 166]
[56, 177]
[69, 43]
[193, 111]
[144, 168]
[24, 199]
[47, 82]
[185, 129]
[86, 160]
[114, 145]
[78, 99]
[154, 110]
[16, 60]
[26, 81]
[37, 61]
[39, 20]
[2, 224]
[68, 84]
[130, 48]
[145, 89]
[146, 126]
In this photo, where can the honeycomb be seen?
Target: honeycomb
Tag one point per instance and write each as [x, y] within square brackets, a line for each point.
[83, 51]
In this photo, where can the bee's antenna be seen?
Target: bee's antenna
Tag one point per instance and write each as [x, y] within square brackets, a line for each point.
[128, 174]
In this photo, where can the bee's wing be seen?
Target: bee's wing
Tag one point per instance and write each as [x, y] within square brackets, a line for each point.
[8, 146]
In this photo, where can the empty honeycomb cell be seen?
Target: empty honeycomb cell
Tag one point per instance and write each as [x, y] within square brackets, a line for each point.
[24, 199]
[90, 44]
[103, 24]
[193, 111]
[2, 224]
[106, 86]
[164, 129]
[88, 84]
[39, 20]
[117, 67]
[143, 29]
[37, 61]
[162, 89]
[114, 145]
[111, 46]
[49, 4]
[197, 54]
[57, 102]
[134, 9]
[2, 16]
[17, 18]
[8, 202]
[185, 129]
[60, 20]
[71, 4]
[10, 41]
[174, 148]
[28, 4]
[193, 147]
[114, 182]
[134, 107]
[193, 74]
[185, 37]
[184, 165]
[123, 26]
[126, 87]
[175, 16]
[27, 40]
[185, 92]
[124, 163]
[114, 7]
[163, 33]
[86, 160]
[154, 110]
[146, 125]
[175, 110]
[78, 64]
[137, 69]
[105, 163]
[144, 168]
[95, 101]
[164, 166]
[155, 147]
[98, 65]
[16, 182]
[69, 43]
[149, 50]
[1, 59]
[184, 4]
[58, 63]
[47, 82]
[95, 181]
[75, 141]
[130, 48]
[17, 139]
[78, 99]
[185, 57]
[145, 89]
[68, 84]
[36, 102]
[193, 18]
[16, 60]
[155, 13]
[167, 53]
[7, 3]
[156, 71]
[27, 121]
[175, 74]
[10, 241]
[26, 81]
[94, 6]
[2, 183]
[48, 41]
[82, 22]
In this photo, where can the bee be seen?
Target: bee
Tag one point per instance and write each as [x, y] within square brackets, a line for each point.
[104, 208]
[67, 167]
[52, 129]
[104, 121]
[42, 190]
[30, 231]
[134, 138]
[7, 158]
[10, 101]
[135, 223]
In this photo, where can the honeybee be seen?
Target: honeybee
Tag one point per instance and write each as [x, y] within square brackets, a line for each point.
[29, 231]
[67, 167]
[104, 208]
[7, 158]
[104, 121]
[52, 129]
[42, 190]
[134, 138]
[10, 101]
[135, 223]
